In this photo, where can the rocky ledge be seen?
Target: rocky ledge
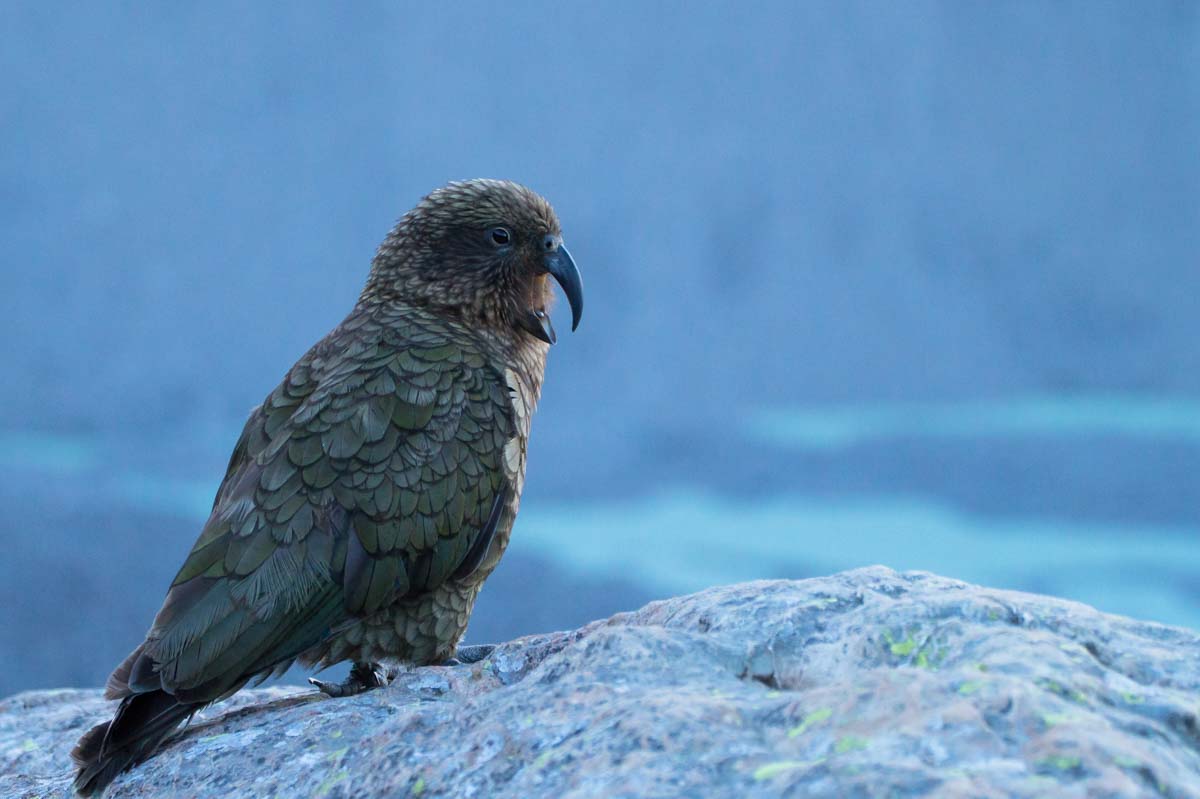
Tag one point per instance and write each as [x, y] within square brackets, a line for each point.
[868, 683]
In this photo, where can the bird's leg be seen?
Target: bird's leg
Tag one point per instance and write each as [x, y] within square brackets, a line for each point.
[466, 655]
[362, 677]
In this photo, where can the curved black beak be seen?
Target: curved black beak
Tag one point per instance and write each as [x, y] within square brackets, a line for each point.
[560, 264]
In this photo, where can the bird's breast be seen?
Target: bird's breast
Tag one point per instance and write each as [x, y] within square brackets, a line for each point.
[524, 393]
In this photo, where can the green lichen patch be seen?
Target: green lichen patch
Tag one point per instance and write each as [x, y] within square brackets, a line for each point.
[899, 648]
[770, 770]
[850, 743]
[970, 687]
[1066, 692]
[922, 654]
[418, 787]
[333, 779]
[818, 716]
[1061, 765]
[929, 658]
[1055, 719]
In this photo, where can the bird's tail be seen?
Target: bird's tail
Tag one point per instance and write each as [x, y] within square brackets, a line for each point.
[140, 725]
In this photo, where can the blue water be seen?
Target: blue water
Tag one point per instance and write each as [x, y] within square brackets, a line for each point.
[684, 541]
[671, 537]
[1164, 418]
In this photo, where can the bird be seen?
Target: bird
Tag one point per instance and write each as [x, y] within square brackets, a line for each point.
[374, 490]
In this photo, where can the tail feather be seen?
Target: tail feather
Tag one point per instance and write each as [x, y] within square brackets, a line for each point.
[135, 732]
[117, 686]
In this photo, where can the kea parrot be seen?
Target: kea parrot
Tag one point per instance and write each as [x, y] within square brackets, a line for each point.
[374, 490]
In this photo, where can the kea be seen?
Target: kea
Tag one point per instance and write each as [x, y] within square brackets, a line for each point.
[374, 490]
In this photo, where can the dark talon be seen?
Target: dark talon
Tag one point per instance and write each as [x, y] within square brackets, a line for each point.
[473, 654]
[362, 677]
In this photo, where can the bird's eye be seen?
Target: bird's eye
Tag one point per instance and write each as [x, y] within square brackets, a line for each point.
[500, 236]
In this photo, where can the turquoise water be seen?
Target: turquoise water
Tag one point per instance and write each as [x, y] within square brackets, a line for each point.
[684, 541]
[822, 428]
[673, 537]
[47, 453]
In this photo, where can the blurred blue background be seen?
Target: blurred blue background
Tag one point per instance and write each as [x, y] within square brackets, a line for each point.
[901, 283]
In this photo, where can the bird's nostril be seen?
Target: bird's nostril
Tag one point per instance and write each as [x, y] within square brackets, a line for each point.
[549, 243]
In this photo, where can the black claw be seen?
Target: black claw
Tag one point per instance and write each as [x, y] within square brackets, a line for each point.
[473, 654]
[332, 689]
[362, 677]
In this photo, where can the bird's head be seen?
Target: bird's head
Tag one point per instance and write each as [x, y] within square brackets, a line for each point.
[483, 251]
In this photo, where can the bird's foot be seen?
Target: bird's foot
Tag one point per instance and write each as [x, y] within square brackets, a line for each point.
[466, 655]
[362, 677]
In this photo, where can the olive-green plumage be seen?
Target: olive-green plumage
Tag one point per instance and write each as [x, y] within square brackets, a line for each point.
[375, 488]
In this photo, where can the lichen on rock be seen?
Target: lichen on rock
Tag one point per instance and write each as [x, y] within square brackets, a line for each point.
[866, 683]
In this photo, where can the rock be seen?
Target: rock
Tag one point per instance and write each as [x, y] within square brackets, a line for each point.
[867, 683]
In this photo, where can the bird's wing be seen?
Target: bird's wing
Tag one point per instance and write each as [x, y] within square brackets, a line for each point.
[372, 472]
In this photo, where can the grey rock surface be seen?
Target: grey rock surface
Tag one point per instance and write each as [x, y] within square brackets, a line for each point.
[867, 683]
